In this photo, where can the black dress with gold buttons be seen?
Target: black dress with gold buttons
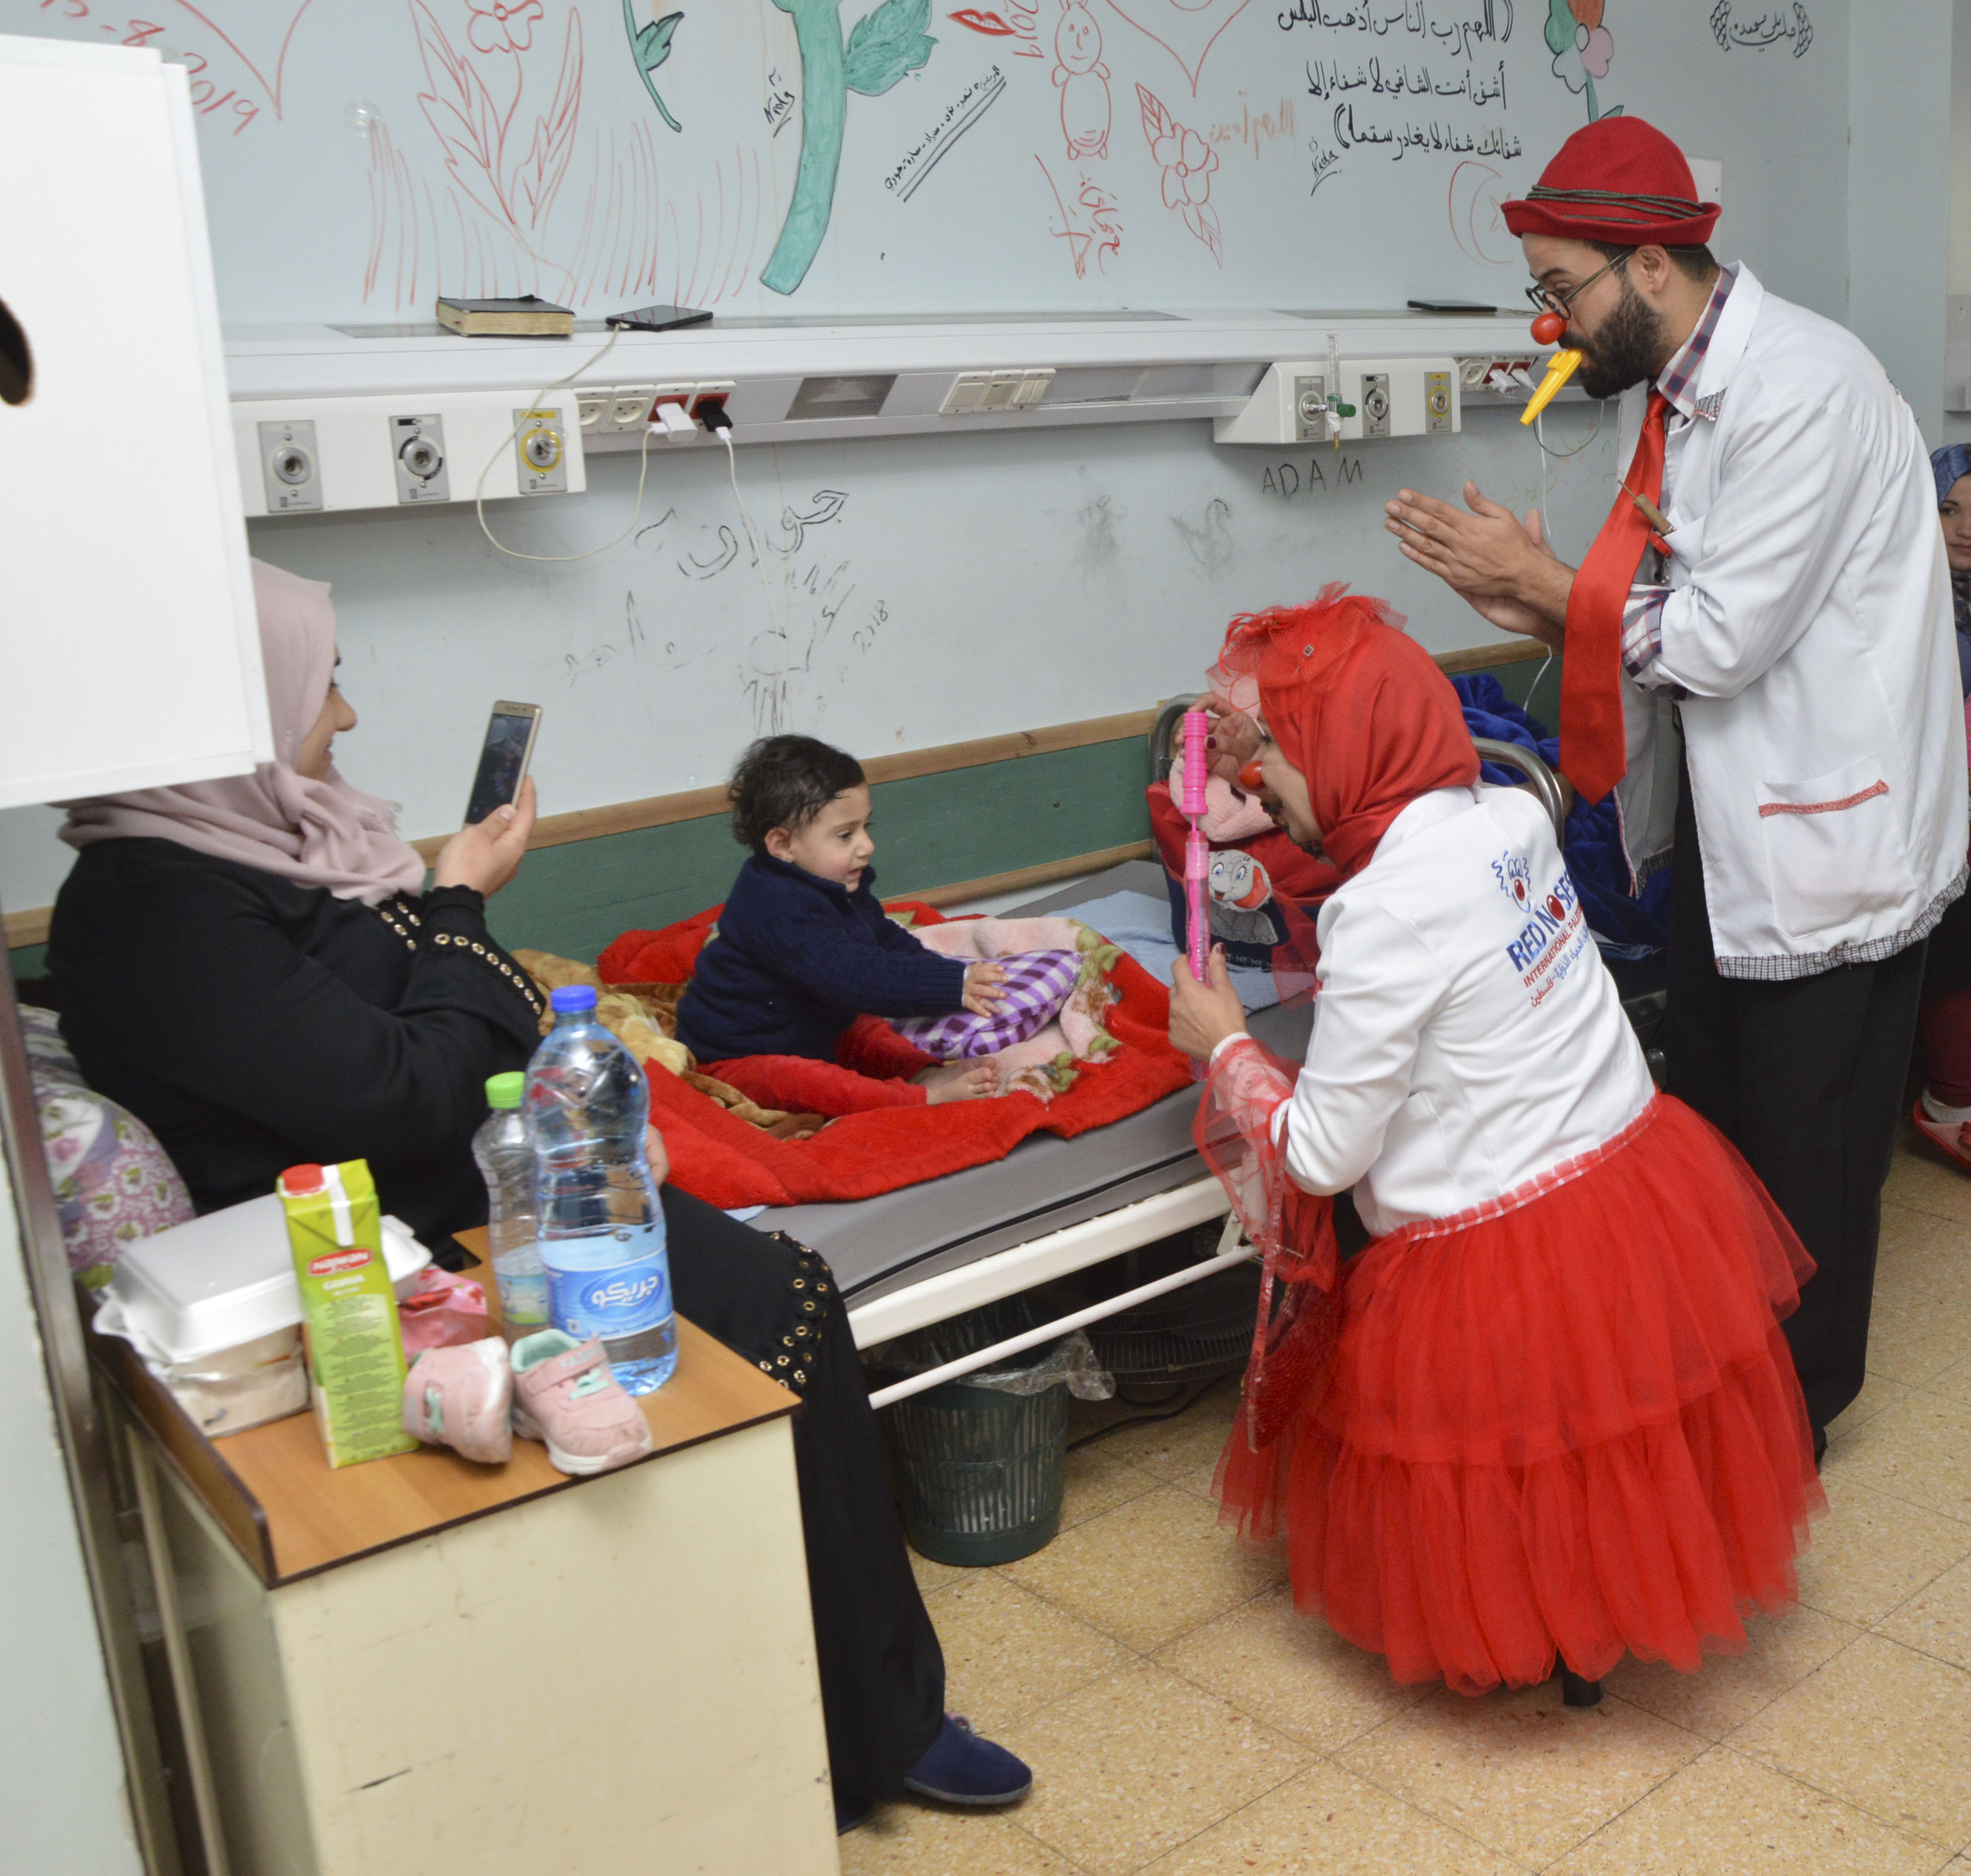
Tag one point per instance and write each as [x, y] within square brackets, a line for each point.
[252, 1024]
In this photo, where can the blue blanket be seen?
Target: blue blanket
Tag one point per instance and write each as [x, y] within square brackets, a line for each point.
[1623, 926]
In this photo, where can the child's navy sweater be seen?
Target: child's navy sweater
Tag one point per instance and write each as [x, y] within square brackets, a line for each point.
[797, 958]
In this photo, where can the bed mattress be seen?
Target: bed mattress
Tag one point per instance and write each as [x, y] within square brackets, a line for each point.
[880, 1245]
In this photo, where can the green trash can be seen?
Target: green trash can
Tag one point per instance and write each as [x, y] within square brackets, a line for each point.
[980, 1463]
[980, 1472]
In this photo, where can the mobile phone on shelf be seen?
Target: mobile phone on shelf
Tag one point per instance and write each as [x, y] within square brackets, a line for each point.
[659, 318]
[503, 758]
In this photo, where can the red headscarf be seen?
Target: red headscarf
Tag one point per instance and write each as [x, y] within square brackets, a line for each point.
[1357, 706]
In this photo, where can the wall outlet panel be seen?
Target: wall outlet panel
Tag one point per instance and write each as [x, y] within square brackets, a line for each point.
[290, 477]
[356, 445]
[542, 441]
[1392, 396]
[422, 474]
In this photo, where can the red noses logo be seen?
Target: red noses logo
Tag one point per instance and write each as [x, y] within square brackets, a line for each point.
[1520, 891]
[337, 1262]
[1554, 906]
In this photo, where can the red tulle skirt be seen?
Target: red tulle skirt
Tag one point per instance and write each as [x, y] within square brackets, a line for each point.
[1570, 1422]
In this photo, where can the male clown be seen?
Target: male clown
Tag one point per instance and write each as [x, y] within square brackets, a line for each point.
[1759, 658]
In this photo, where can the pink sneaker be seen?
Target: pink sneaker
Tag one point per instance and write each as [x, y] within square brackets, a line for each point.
[565, 1395]
[460, 1397]
[1952, 1135]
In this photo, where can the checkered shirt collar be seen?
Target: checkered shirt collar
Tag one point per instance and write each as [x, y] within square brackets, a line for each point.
[1678, 379]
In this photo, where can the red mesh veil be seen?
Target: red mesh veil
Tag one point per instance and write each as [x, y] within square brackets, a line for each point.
[1234, 1130]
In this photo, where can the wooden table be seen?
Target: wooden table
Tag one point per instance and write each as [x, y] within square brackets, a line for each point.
[420, 1665]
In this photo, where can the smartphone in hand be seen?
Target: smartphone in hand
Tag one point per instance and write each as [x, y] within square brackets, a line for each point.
[503, 758]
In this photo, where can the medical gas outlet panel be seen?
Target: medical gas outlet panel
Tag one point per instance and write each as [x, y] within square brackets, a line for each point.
[1349, 400]
[319, 455]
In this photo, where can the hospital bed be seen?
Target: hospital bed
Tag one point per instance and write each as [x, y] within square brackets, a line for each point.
[928, 1251]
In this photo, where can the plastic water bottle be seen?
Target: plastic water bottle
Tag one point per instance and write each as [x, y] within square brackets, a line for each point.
[601, 1226]
[506, 1156]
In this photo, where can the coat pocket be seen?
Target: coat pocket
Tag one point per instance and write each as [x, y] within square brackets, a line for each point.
[1834, 850]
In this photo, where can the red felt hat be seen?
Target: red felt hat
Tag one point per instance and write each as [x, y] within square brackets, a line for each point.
[1618, 179]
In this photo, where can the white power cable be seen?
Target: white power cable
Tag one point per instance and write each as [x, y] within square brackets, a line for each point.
[746, 521]
[513, 437]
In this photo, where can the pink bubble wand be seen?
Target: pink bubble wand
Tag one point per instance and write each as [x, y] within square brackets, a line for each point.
[1197, 849]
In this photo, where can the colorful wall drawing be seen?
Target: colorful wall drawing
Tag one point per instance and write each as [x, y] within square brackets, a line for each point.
[1187, 161]
[649, 46]
[365, 157]
[1082, 81]
[1582, 47]
[884, 45]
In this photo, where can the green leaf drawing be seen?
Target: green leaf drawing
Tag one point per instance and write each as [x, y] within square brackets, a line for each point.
[887, 44]
[1559, 27]
[650, 46]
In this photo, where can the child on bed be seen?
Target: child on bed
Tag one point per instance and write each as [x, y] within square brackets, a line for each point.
[803, 949]
[1548, 1411]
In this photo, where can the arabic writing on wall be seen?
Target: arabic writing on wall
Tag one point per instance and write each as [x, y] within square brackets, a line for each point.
[1443, 50]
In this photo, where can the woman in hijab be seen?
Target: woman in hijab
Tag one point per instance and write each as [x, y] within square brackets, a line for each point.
[249, 966]
[1943, 1111]
[1548, 1411]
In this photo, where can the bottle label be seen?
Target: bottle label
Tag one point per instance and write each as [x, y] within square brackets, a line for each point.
[625, 1300]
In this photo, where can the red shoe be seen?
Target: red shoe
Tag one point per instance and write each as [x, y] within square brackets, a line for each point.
[1954, 1136]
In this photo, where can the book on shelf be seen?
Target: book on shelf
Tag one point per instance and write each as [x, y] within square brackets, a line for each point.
[529, 317]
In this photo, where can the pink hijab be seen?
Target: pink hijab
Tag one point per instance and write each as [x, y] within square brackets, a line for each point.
[321, 833]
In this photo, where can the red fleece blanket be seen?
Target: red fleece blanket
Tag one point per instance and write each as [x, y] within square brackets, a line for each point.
[727, 1161]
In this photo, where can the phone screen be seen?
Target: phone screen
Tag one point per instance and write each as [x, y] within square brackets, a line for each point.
[502, 761]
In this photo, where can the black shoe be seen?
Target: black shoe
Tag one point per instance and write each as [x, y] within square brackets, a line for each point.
[1576, 1692]
[1819, 1446]
[851, 1813]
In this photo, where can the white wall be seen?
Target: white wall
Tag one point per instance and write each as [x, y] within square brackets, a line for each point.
[1901, 137]
[62, 1807]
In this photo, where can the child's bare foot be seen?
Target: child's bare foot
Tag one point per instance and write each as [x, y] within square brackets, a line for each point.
[959, 1081]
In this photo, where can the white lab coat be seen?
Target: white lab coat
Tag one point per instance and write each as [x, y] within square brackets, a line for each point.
[1467, 1035]
[1809, 628]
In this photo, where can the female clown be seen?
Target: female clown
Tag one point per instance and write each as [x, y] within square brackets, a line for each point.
[1548, 1411]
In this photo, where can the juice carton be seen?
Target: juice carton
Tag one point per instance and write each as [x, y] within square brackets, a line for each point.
[355, 1349]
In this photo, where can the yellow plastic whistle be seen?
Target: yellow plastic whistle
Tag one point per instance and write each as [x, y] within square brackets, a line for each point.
[1559, 369]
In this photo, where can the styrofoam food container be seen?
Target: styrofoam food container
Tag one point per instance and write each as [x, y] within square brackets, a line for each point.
[225, 1278]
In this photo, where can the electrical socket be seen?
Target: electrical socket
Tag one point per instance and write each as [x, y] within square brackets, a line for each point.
[704, 394]
[629, 406]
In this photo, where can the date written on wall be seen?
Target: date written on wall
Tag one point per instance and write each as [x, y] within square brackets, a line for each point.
[206, 98]
[1333, 473]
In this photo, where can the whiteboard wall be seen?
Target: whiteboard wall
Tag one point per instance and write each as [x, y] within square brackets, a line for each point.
[363, 154]
[924, 590]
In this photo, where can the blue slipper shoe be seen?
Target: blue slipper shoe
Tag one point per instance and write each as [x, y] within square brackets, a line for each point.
[961, 1768]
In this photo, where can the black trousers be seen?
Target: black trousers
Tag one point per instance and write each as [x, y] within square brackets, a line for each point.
[882, 1671]
[1806, 1079]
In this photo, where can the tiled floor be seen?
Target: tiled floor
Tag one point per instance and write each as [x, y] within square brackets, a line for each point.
[1182, 1720]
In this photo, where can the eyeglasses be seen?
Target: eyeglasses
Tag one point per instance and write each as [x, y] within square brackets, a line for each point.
[1543, 300]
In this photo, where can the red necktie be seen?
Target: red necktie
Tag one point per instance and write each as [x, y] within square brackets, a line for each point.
[1593, 746]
